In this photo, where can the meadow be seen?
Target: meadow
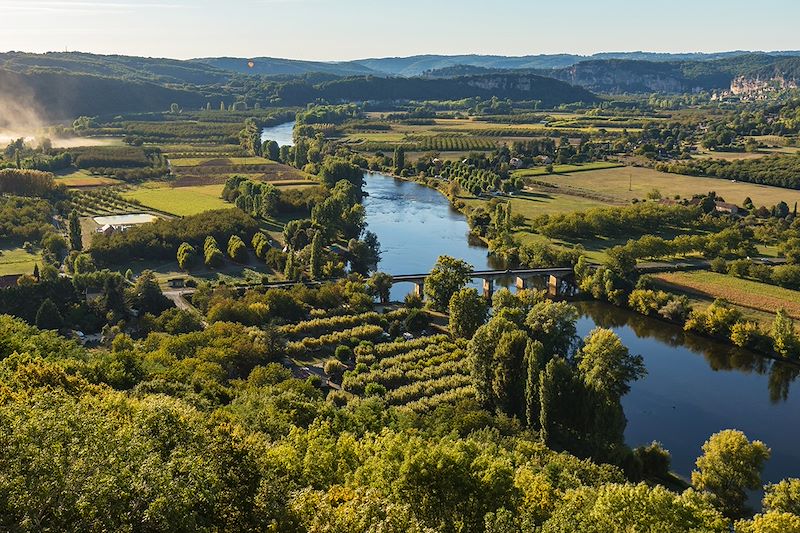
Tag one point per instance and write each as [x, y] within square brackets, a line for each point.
[17, 261]
[564, 169]
[180, 201]
[627, 183]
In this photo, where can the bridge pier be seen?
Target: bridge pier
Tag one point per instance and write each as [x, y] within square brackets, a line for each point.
[553, 285]
[419, 289]
[488, 288]
[523, 282]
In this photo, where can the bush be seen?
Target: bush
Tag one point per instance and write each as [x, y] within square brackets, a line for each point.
[374, 389]
[747, 334]
[417, 321]
[344, 353]
[719, 265]
[334, 368]
[655, 460]
[413, 300]
[676, 309]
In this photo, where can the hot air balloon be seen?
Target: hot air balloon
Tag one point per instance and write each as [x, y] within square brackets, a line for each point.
[251, 63]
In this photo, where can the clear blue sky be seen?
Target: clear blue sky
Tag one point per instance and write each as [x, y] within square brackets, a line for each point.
[349, 29]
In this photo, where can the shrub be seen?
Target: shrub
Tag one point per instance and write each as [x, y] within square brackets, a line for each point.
[344, 353]
[334, 368]
[374, 389]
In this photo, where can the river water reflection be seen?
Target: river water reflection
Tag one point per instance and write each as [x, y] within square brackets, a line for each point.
[694, 387]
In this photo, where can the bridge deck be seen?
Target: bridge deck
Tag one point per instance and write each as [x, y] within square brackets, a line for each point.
[495, 273]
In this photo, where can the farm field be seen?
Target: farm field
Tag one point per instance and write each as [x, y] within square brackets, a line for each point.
[212, 161]
[418, 375]
[742, 292]
[614, 184]
[83, 178]
[181, 201]
[17, 261]
[563, 169]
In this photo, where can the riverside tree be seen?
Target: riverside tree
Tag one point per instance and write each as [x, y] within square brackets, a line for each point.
[729, 466]
[448, 276]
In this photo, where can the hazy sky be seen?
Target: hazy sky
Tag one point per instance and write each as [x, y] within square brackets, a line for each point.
[348, 29]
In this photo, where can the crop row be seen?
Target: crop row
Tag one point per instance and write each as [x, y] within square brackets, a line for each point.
[363, 332]
[398, 376]
[427, 389]
[426, 403]
[320, 326]
[393, 348]
[416, 355]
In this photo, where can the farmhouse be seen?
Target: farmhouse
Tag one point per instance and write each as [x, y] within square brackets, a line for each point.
[725, 207]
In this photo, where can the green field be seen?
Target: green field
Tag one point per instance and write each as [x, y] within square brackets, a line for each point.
[563, 169]
[627, 183]
[181, 201]
[17, 261]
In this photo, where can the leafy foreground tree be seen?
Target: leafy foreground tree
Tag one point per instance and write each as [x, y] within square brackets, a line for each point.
[729, 466]
[467, 312]
[448, 276]
[206, 431]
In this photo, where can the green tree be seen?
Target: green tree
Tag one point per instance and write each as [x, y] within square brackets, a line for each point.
[533, 362]
[399, 159]
[783, 496]
[554, 325]
[237, 249]
[729, 466]
[187, 255]
[315, 262]
[212, 255]
[48, 316]
[606, 364]
[784, 338]
[75, 237]
[146, 294]
[84, 264]
[468, 311]
[380, 285]
[626, 507]
[447, 277]
[271, 150]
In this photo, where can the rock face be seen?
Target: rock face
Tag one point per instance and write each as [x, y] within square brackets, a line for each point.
[754, 87]
[619, 76]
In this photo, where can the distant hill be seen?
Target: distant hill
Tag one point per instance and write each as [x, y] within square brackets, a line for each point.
[516, 86]
[144, 69]
[270, 66]
[56, 94]
[417, 65]
[641, 76]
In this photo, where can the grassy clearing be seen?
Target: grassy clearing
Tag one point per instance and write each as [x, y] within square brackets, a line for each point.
[614, 184]
[746, 293]
[563, 169]
[17, 261]
[230, 272]
[181, 201]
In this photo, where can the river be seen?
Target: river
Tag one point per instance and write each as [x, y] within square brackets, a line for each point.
[281, 134]
[694, 387]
